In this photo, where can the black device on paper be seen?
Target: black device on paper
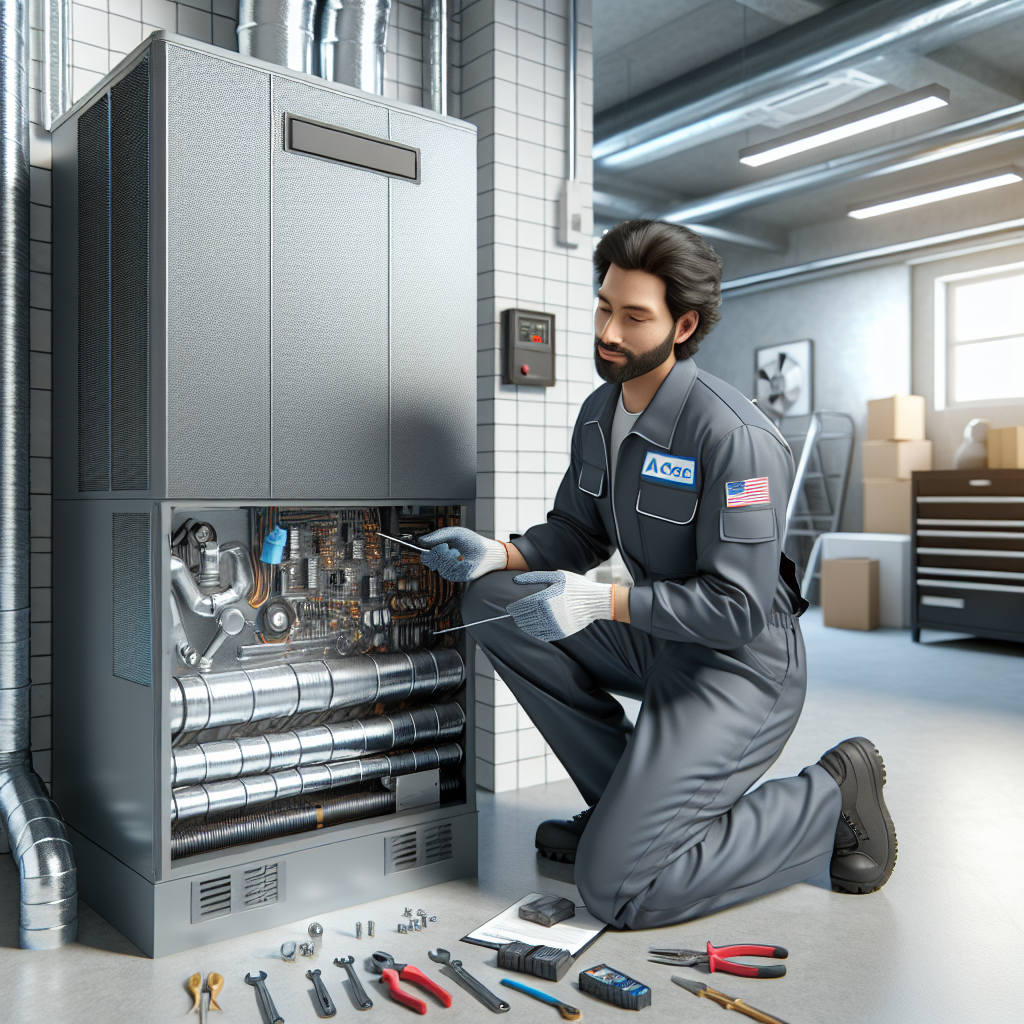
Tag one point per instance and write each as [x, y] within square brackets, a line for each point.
[540, 961]
[548, 910]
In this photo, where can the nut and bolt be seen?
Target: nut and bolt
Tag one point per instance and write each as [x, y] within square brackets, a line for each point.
[307, 949]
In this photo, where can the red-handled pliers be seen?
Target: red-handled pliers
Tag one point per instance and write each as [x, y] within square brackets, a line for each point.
[717, 959]
[392, 973]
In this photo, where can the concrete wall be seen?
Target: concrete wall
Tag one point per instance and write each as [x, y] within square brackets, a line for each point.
[860, 326]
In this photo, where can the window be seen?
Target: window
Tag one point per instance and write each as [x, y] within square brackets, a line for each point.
[983, 341]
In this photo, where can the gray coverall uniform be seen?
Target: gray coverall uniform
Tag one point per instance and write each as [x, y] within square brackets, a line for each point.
[713, 650]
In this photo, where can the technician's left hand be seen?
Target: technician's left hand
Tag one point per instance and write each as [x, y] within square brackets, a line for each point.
[569, 604]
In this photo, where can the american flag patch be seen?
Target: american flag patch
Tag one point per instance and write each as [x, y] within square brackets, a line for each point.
[746, 492]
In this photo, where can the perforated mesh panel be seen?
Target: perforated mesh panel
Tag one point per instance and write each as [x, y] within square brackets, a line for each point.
[129, 272]
[132, 598]
[433, 268]
[94, 299]
[218, 277]
[330, 290]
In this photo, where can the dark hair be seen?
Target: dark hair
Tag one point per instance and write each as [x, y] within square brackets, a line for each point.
[690, 268]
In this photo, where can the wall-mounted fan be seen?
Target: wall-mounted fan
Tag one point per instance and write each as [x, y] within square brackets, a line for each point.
[783, 377]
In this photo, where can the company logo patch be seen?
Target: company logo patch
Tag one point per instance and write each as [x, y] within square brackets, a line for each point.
[746, 492]
[674, 470]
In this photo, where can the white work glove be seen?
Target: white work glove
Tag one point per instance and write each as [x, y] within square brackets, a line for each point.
[461, 555]
[569, 604]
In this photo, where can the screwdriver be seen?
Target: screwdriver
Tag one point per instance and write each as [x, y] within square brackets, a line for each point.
[467, 625]
[398, 540]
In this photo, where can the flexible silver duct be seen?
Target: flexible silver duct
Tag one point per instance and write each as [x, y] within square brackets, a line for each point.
[352, 39]
[279, 31]
[210, 605]
[251, 755]
[37, 837]
[56, 60]
[280, 691]
[190, 802]
[435, 55]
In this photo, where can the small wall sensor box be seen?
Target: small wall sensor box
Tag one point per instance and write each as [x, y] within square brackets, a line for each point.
[528, 348]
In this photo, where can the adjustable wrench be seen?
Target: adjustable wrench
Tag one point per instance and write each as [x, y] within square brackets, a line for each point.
[364, 1001]
[327, 1008]
[263, 996]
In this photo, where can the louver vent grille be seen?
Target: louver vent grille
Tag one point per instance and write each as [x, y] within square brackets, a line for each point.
[214, 897]
[416, 848]
[244, 888]
[260, 886]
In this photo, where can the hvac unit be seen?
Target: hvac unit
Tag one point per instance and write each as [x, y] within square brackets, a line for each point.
[264, 361]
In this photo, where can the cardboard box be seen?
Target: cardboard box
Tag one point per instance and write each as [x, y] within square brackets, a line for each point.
[892, 550]
[849, 592]
[887, 506]
[899, 418]
[1006, 448]
[896, 459]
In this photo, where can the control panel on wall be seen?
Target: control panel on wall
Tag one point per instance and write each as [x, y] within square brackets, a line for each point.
[528, 347]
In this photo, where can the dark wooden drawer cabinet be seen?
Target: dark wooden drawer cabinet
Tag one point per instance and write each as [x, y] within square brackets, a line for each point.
[968, 552]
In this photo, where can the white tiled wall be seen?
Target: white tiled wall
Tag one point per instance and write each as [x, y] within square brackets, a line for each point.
[510, 81]
[103, 31]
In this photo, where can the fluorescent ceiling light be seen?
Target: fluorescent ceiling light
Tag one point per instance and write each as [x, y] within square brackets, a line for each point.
[899, 108]
[936, 193]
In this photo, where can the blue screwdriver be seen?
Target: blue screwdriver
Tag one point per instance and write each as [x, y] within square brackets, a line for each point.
[567, 1011]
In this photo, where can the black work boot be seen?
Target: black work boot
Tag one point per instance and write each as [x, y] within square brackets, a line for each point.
[865, 847]
[558, 840]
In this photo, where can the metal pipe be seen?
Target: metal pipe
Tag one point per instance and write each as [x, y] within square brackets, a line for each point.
[435, 57]
[278, 31]
[993, 128]
[56, 60]
[843, 36]
[570, 90]
[216, 699]
[215, 797]
[211, 605]
[352, 39]
[252, 755]
[37, 837]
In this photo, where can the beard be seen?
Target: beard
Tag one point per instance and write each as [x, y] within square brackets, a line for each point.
[635, 365]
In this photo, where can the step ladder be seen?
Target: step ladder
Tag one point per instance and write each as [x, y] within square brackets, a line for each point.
[824, 456]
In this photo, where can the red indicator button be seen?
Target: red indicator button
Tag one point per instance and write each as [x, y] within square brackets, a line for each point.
[524, 370]
[536, 339]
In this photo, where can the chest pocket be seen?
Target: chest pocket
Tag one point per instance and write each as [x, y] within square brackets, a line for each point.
[592, 473]
[667, 517]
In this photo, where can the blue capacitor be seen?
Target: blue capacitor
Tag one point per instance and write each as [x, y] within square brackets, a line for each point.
[273, 546]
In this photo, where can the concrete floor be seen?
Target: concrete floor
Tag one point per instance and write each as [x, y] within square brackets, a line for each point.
[940, 943]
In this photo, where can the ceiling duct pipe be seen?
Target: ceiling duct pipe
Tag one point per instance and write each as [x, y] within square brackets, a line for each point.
[278, 31]
[435, 55]
[352, 37]
[37, 837]
[664, 119]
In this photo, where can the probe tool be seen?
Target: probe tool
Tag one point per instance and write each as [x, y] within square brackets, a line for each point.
[543, 961]
[701, 990]
[466, 625]
[392, 973]
[615, 987]
[493, 1003]
[398, 540]
[716, 959]
[567, 1011]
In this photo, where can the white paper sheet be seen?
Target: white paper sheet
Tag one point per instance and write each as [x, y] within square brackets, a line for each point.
[574, 934]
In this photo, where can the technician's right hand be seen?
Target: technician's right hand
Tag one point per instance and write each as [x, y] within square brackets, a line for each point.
[461, 555]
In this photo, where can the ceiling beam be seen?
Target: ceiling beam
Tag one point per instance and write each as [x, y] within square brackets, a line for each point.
[841, 37]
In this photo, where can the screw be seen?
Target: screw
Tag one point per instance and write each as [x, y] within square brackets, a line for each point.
[369, 928]
[407, 912]
[432, 919]
[416, 924]
[359, 929]
[423, 920]
[402, 929]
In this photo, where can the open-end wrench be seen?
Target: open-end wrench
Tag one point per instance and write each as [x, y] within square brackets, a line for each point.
[481, 991]
[269, 1009]
[327, 1008]
[364, 1001]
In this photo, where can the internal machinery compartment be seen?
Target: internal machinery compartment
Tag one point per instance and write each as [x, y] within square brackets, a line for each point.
[309, 674]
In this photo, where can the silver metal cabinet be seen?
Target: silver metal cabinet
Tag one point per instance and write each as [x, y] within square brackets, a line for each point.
[249, 335]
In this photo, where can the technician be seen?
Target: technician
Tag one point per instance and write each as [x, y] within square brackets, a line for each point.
[690, 482]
